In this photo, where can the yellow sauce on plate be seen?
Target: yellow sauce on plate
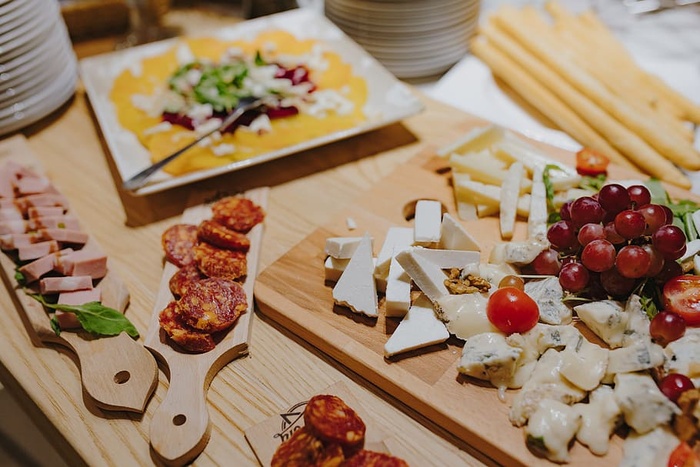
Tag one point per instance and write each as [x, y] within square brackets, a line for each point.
[285, 132]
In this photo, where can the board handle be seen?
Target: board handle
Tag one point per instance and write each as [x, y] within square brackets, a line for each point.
[180, 427]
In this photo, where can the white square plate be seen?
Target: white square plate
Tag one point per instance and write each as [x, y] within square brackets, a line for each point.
[388, 99]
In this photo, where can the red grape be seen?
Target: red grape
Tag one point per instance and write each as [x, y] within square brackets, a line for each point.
[564, 210]
[670, 270]
[669, 239]
[573, 277]
[614, 198]
[562, 235]
[615, 284]
[676, 254]
[666, 327]
[669, 214]
[654, 216]
[656, 260]
[585, 210]
[630, 224]
[639, 195]
[675, 384]
[590, 232]
[611, 234]
[547, 263]
[632, 261]
[598, 256]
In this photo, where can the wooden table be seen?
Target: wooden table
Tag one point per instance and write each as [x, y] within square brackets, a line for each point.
[280, 368]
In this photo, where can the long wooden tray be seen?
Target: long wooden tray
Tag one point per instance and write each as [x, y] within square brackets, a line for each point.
[292, 292]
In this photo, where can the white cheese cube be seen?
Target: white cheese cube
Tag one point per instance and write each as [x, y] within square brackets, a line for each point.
[342, 247]
[453, 235]
[429, 278]
[419, 328]
[426, 227]
[448, 259]
[397, 238]
[537, 221]
[636, 357]
[398, 290]
[334, 268]
[651, 449]
[356, 288]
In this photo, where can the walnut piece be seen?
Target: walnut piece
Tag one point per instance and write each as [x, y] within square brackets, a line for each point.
[686, 424]
[458, 284]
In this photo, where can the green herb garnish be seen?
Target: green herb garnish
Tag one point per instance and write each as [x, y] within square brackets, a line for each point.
[95, 317]
[593, 183]
[548, 186]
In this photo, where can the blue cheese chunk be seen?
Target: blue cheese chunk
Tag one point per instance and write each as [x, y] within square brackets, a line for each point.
[606, 318]
[599, 418]
[583, 363]
[637, 323]
[643, 404]
[523, 253]
[683, 355]
[651, 449]
[488, 357]
[548, 294]
[642, 355]
[551, 428]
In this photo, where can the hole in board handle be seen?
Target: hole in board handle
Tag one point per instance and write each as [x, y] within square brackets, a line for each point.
[122, 377]
[179, 420]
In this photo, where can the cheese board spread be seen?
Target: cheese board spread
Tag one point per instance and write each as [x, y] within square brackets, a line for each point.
[447, 348]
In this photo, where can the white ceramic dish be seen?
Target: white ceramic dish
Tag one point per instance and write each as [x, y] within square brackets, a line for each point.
[388, 101]
[35, 26]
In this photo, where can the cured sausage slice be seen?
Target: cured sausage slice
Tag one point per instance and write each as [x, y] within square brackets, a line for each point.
[217, 234]
[220, 263]
[365, 458]
[178, 242]
[212, 304]
[183, 278]
[303, 449]
[239, 214]
[332, 420]
[182, 334]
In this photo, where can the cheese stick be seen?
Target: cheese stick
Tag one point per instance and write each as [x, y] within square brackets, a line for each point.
[641, 122]
[631, 145]
[544, 100]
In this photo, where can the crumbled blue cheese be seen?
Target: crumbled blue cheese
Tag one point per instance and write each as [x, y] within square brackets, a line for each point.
[682, 355]
[643, 404]
[488, 357]
[551, 428]
[548, 294]
[523, 253]
[642, 355]
[599, 418]
[651, 449]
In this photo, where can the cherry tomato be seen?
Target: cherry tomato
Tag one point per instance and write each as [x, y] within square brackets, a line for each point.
[683, 456]
[512, 310]
[681, 295]
[591, 162]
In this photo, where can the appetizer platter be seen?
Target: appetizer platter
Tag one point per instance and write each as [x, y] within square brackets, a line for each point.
[63, 285]
[202, 316]
[316, 86]
[460, 219]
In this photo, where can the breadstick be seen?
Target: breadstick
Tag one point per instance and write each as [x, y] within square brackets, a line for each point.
[641, 122]
[628, 143]
[544, 100]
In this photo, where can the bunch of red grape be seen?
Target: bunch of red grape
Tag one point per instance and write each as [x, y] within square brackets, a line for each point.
[606, 243]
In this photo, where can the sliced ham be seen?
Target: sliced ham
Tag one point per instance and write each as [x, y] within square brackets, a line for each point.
[67, 320]
[31, 185]
[35, 212]
[39, 267]
[10, 214]
[65, 236]
[8, 174]
[84, 262]
[54, 222]
[10, 227]
[53, 285]
[37, 250]
[80, 297]
[43, 199]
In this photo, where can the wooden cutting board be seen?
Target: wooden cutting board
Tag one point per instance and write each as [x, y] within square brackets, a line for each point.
[292, 292]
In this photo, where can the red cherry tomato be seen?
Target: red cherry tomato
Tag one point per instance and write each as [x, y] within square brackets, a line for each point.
[512, 310]
[682, 296]
[683, 456]
[591, 162]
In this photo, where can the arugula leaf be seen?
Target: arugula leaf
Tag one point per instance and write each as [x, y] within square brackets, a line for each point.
[19, 277]
[55, 326]
[95, 317]
[593, 183]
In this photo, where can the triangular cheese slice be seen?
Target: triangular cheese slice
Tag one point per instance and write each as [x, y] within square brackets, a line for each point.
[356, 288]
[419, 328]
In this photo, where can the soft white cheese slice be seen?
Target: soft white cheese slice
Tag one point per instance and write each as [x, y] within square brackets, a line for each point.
[356, 288]
[453, 235]
[448, 259]
[426, 227]
[465, 314]
[429, 278]
[398, 291]
[510, 192]
[341, 247]
[397, 238]
[419, 328]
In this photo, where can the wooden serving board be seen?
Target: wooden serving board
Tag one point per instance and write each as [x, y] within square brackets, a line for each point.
[292, 292]
[118, 373]
[180, 426]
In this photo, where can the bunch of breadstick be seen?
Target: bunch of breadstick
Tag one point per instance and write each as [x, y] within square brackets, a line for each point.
[575, 72]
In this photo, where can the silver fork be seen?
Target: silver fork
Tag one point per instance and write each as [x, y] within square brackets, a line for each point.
[244, 104]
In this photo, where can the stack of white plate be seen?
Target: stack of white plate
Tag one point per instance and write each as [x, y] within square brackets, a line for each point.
[411, 38]
[38, 68]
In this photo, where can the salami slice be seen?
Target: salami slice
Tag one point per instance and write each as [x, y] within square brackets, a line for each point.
[212, 304]
[220, 263]
[364, 458]
[239, 214]
[217, 234]
[329, 418]
[178, 242]
[302, 449]
[183, 278]
[182, 334]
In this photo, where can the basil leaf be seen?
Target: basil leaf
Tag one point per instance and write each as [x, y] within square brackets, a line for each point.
[95, 317]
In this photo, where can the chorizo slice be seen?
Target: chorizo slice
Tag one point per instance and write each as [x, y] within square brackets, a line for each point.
[219, 263]
[302, 449]
[182, 334]
[212, 304]
[237, 213]
[183, 278]
[217, 234]
[329, 418]
[365, 458]
[178, 242]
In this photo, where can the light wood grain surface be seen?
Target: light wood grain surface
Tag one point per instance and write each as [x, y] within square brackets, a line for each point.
[280, 368]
